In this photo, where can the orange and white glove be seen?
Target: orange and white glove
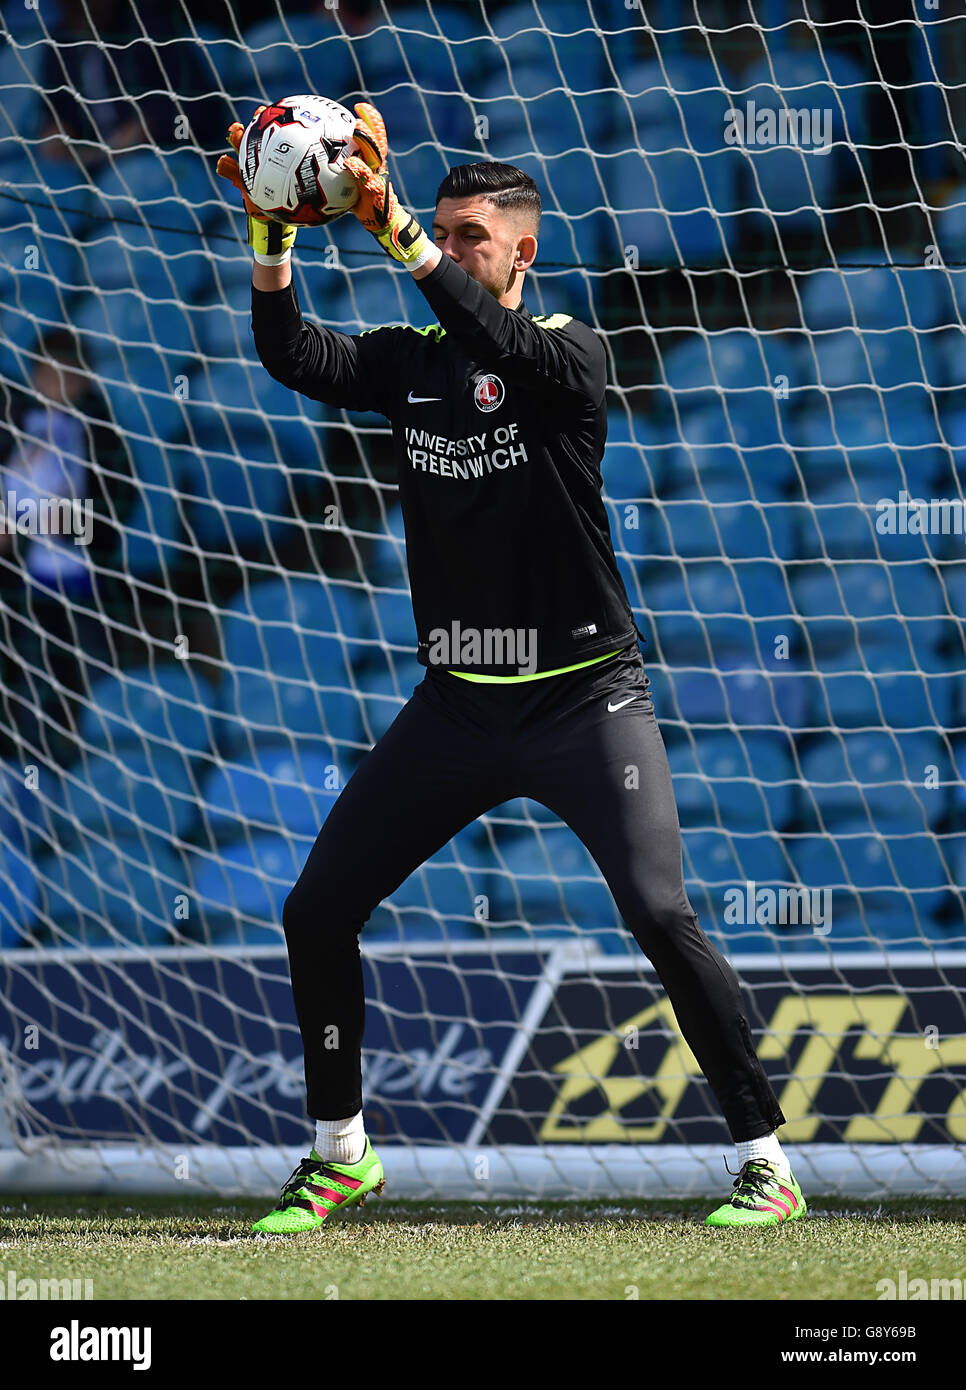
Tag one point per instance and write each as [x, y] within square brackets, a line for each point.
[270, 241]
[378, 209]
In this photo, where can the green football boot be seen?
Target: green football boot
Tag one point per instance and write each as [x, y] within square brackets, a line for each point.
[317, 1188]
[763, 1196]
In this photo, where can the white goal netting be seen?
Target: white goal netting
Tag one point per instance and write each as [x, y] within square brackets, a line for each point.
[762, 210]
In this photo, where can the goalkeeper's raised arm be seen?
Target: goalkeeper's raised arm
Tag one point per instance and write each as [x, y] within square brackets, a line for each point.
[484, 239]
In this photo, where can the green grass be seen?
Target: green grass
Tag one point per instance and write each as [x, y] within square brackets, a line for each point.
[165, 1248]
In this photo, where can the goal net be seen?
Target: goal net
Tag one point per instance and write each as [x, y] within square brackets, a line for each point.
[206, 618]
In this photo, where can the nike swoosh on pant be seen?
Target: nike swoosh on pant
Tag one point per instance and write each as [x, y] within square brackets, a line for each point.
[612, 709]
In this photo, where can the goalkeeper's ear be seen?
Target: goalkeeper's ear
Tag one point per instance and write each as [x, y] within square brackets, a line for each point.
[526, 252]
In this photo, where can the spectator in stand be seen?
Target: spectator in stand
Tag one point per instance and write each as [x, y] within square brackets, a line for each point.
[108, 88]
[56, 443]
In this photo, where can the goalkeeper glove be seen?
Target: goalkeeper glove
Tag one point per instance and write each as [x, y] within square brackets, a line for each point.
[271, 241]
[396, 230]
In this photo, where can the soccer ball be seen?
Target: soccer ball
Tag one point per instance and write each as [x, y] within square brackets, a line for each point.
[292, 158]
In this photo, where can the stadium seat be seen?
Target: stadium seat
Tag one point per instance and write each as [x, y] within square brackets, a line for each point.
[742, 782]
[151, 708]
[724, 473]
[386, 691]
[740, 698]
[660, 202]
[239, 894]
[134, 794]
[297, 624]
[151, 537]
[270, 790]
[111, 895]
[387, 558]
[19, 896]
[266, 707]
[891, 701]
[879, 297]
[874, 781]
[294, 53]
[138, 256]
[845, 358]
[675, 103]
[863, 591]
[557, 883]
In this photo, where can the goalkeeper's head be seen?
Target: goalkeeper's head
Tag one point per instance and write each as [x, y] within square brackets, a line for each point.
[487, 220]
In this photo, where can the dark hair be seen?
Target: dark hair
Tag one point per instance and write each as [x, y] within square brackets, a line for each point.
[503, 184]
[59, 345]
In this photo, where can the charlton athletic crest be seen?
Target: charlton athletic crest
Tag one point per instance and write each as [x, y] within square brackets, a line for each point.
[488, 393]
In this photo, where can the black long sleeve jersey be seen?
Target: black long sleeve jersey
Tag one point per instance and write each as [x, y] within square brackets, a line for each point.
[498, 420]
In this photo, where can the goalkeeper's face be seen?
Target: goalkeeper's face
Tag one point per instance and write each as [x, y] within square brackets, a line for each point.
[494, 247]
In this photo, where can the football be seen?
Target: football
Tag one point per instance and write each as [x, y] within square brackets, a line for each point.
[292, 159]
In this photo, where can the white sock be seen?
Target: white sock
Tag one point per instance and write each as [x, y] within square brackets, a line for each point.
[340, 1141]
[766, 1148]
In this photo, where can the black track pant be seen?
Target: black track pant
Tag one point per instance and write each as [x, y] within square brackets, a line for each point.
[456, 750]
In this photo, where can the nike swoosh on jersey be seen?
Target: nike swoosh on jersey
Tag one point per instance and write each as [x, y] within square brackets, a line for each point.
[612, 709]
[417, 400]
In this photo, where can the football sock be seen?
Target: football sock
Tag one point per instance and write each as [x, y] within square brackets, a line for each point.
[340, 1141]
[766, 1148]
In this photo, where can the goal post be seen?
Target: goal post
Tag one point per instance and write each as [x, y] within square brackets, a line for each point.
[205, 617]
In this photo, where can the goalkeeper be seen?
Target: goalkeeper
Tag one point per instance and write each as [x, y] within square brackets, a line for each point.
[535, 685]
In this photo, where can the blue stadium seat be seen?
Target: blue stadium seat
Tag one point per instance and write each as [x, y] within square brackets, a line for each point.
[145, 708]
[847, 358]
[393, 621]
[239, 894]
[269, 707]
[878, 298]
[270, 790]
[386, 691]
[151, 535]
[387, 561]
[719, 858]
[741, 698]
[863, 591]
[865, 911]
[20, 66]
[737, 362]
[111, 895]
[756, 588]
[724, 473]
[135, 794]
[659, 201]
[297, 625]
[702, 530]
[294, 53]
[119, 327]
[19, 896]
[678, 100]
[890, 701]
[162, 265]
[558, 883]
[742, 781]
[877, 781]
[802, 79]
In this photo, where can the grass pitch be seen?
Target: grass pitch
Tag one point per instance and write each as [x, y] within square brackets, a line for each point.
[171, 1249]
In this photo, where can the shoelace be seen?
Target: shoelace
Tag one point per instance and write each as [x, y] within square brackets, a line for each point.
[751, 1179]
[306, 1169]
